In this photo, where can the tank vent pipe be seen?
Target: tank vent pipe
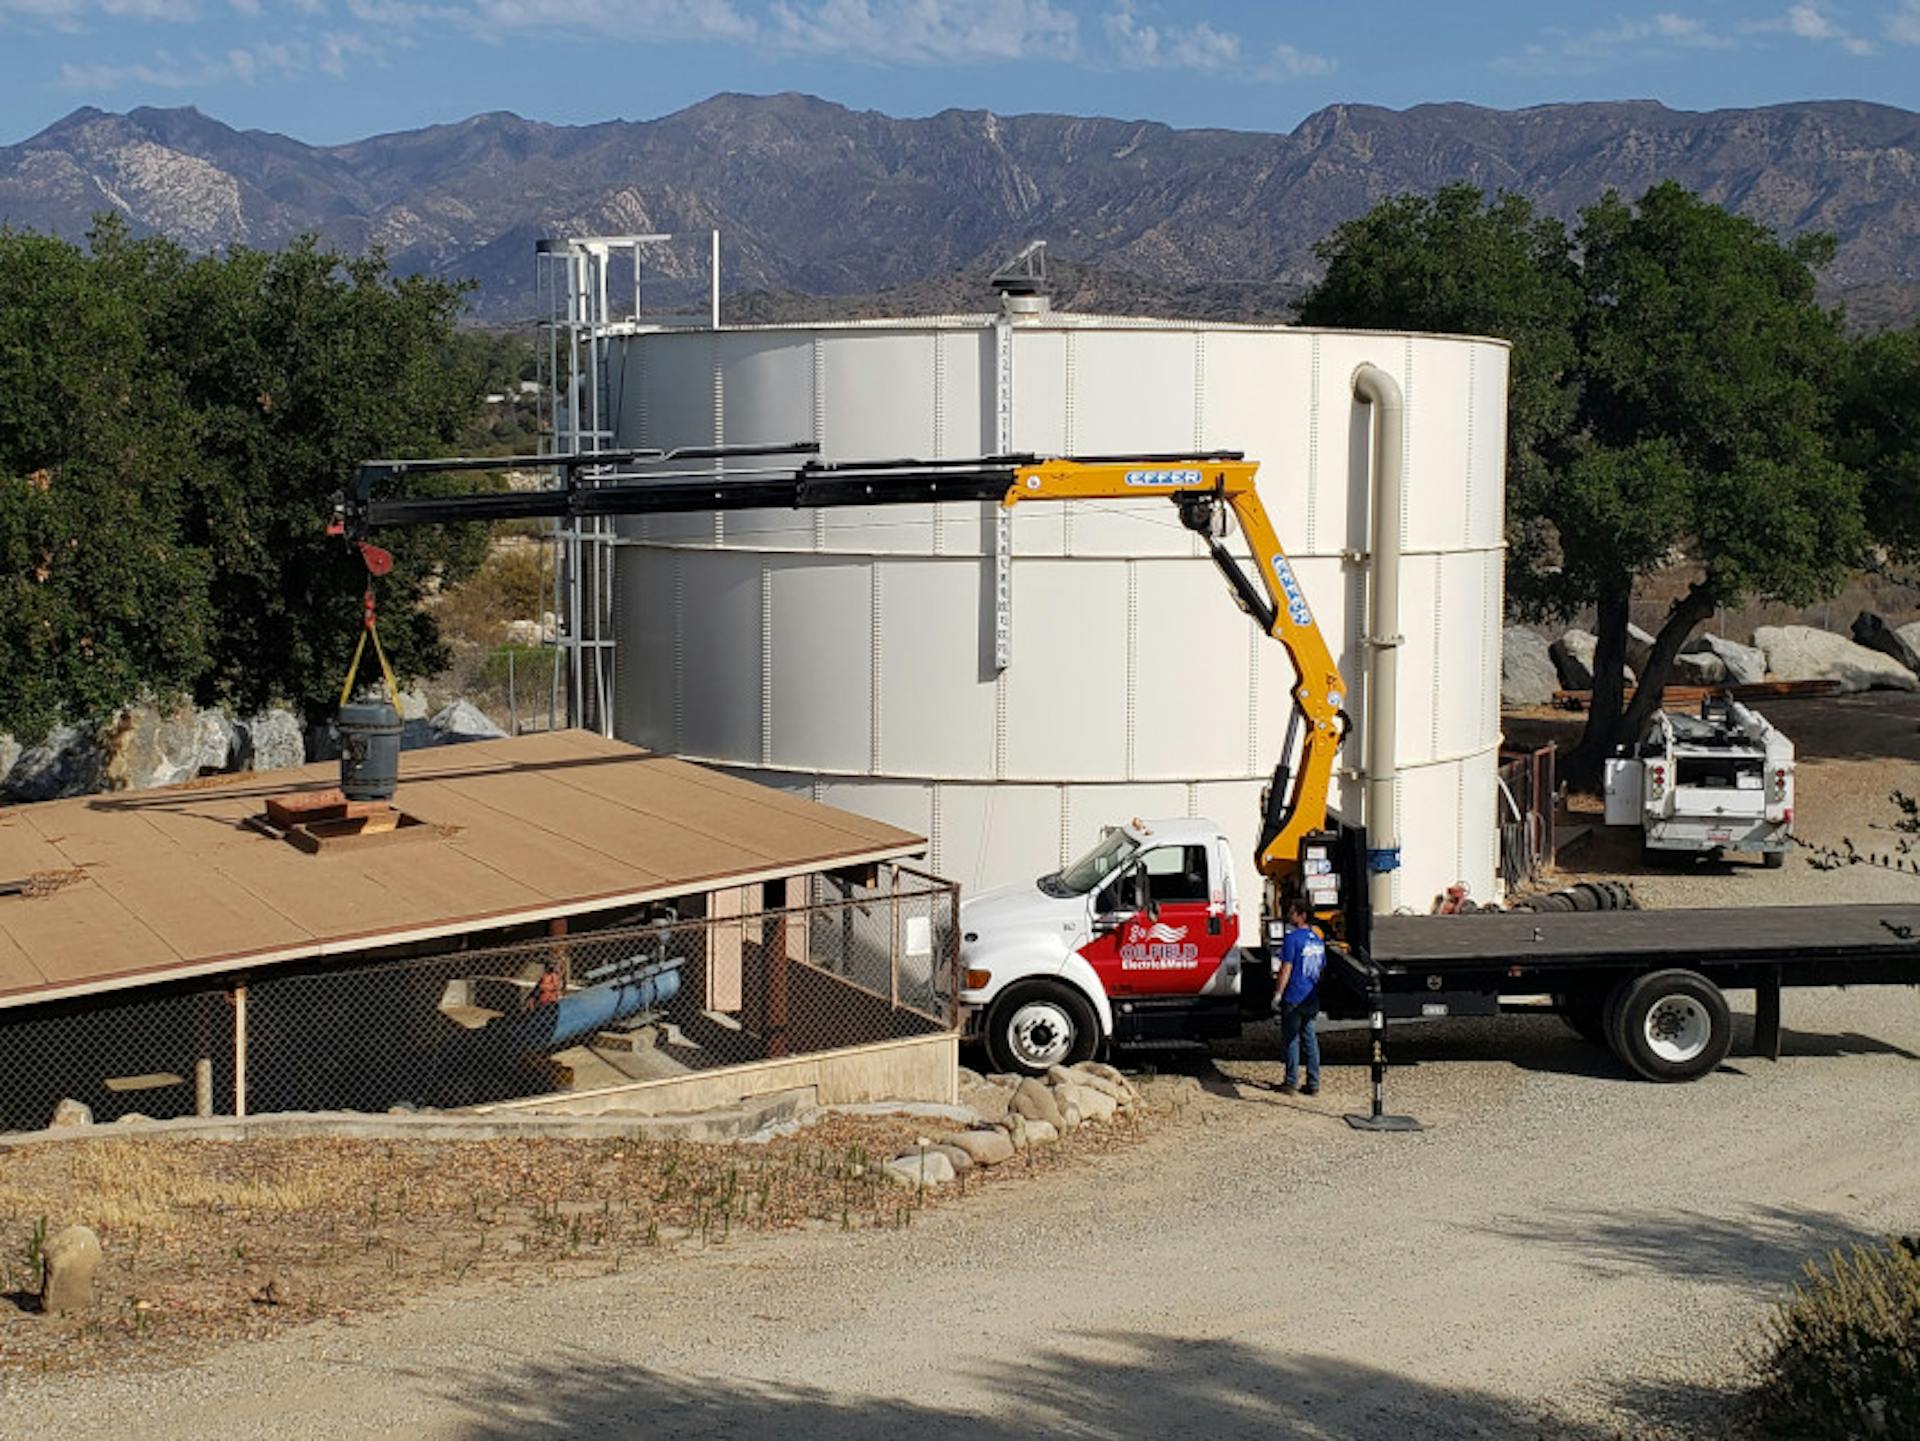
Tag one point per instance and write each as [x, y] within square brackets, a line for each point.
[1374, 387]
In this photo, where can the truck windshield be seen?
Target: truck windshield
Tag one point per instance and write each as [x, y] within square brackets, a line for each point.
[1113, 852]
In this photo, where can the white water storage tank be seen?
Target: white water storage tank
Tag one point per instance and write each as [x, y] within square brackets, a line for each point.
[850, 654]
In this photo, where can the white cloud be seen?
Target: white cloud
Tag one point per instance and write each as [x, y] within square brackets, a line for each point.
[1807, 21]
[1287, 61]
[1668, 33]
[244, 65]
[71, 14]
[926, 32]
[1903, 24]
[1136, 46]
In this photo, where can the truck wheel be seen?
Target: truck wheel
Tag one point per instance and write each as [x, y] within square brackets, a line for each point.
[1671, 1025]
[1037, 1024]
[1773, 860]
[1586, 1015]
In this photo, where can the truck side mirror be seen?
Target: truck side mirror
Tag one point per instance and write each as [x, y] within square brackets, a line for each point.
[1143, 893]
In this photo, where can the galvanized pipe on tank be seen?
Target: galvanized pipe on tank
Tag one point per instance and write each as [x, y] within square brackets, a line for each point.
[1372, 386]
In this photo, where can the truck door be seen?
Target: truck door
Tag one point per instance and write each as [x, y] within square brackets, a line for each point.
[1173, 945]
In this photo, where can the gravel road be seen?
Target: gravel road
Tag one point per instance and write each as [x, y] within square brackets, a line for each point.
[1565, 1252]
[1562, 1251]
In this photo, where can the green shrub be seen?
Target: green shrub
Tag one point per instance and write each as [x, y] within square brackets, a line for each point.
[1842, 1357]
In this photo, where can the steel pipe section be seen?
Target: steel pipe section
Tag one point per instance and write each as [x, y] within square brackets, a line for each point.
[850, 654]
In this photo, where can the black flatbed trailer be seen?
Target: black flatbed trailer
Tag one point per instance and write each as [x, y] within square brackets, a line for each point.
[1645, 983]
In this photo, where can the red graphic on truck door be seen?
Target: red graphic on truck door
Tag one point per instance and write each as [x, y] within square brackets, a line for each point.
[1173, 948]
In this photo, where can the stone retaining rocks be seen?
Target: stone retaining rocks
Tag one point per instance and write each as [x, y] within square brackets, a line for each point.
[1042, 1133]
[1528, 675]
[987, 1148]
[72, 1259]
[919, 1168]
[1801, 652]
[1034, 1102]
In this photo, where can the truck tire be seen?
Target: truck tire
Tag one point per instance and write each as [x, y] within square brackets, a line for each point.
[1586, 1014]
[1773, 860]
[1671, 1025]
[1033, 1025]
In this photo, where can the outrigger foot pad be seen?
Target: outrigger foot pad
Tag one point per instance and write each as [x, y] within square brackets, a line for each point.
[1383, 1123]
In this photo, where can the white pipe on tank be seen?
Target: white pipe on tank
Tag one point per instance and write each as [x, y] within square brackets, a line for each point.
[1373, 386]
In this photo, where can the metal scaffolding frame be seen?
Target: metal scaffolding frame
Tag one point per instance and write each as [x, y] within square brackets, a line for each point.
[573, 280]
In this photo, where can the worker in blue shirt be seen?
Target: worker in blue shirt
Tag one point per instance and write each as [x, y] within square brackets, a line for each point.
[1303, 956]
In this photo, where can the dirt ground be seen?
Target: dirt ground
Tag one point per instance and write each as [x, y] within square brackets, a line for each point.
[209, 1243]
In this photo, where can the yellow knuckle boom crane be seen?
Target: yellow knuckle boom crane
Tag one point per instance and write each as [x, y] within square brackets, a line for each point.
[1205, 487]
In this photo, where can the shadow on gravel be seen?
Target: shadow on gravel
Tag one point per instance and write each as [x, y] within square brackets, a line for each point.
[1762, 1249]
[1096, 1385]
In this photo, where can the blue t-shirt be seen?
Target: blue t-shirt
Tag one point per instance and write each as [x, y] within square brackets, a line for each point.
[1307, 953]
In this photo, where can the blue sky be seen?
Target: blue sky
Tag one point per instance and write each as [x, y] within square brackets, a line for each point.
[329, 70]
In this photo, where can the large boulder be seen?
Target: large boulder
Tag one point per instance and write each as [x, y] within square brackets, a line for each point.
[1698, 670]
[461, 721]
[146, 747]
[1639, 649]
[1910, 633]
[1573, 656]
[1744, 664]
[72, 1260]
[1874, 633]
[69, 1113]
[9, 753]
[275, 740]
[66, 763]
[1527, 672]
[1803, 652]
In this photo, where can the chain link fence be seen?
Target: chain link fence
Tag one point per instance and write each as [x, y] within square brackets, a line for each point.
[740, 975]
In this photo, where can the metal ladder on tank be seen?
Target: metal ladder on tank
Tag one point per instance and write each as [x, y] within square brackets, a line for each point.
[573, 279]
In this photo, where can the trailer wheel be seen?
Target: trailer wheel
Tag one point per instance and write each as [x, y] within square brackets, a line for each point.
[1037, 1024]
[1671, 1025]
[1773, 860]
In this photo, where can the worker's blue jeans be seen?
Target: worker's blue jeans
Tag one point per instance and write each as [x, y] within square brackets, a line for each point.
[1296, 1034]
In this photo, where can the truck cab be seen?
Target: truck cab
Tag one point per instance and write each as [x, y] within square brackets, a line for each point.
[1137, 940]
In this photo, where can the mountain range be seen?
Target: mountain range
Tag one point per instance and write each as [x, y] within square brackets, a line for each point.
[824, 210]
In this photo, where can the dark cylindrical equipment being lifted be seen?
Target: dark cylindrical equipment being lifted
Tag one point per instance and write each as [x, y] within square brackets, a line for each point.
[369, 750]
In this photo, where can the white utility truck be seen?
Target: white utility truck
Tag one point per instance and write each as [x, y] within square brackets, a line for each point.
[1719, 781]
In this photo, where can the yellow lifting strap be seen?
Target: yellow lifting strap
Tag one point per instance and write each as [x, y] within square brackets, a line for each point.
[368, 628]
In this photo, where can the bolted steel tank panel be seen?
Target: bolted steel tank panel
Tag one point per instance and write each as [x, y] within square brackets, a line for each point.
[850, 653]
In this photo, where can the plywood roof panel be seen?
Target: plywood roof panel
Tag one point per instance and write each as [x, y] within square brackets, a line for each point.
[175, 881]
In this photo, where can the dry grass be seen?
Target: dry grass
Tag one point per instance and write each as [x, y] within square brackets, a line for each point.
[208, 1243]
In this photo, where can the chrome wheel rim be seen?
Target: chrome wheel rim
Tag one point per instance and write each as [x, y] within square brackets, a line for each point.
[1040, 1034]
[1678, 1028]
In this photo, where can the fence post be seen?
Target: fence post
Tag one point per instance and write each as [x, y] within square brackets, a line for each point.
[775, 948]
[240, 1049]
[894, 949]
[203, 1087]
